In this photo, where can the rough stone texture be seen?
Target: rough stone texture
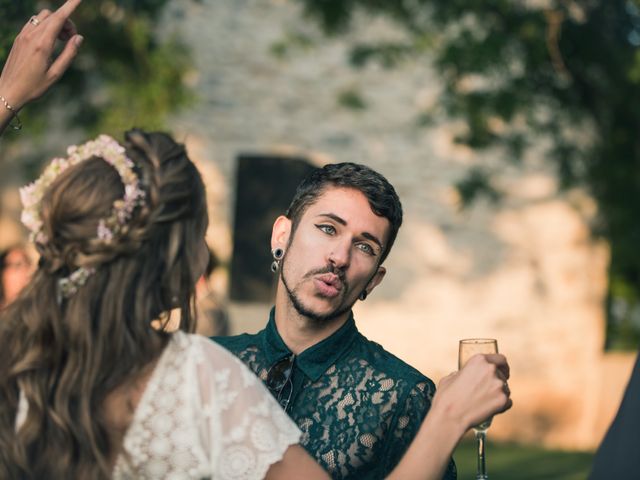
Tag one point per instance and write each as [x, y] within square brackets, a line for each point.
[525, 272]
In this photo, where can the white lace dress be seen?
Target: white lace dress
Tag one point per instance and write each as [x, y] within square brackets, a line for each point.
[203, 414]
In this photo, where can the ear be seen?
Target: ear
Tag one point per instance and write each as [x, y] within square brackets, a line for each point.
[280, 232]
[376, 279]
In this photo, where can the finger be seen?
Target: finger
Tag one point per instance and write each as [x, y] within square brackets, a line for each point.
[43, 14]
[506, 406]
[57, 19]
[505, 388]
[68, 30]
[60, 65]
[500, 361]
[67, 8]
[36, 20]
[446, 380]
[501, 376]
[40, 17]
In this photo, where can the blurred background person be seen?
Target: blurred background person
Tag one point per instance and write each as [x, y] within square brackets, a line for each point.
[16, 268]
[211, 309]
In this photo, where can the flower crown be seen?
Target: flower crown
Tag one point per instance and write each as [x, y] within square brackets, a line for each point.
[113, 153]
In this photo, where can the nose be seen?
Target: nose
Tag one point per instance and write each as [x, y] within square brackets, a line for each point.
[340, 255]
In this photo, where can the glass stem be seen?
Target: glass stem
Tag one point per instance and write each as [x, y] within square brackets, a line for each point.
[482, 468]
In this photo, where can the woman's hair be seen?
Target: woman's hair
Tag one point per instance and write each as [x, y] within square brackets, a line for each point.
[67, 354]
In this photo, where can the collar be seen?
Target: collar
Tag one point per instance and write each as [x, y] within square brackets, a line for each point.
[315, 360]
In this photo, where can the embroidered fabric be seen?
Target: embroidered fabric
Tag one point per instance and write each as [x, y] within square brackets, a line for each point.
[203, 415]
[356, 420]
[358, 406]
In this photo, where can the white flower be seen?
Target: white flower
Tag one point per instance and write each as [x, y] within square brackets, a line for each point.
[111, 152]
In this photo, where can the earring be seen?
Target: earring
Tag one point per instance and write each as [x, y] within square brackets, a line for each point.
[277, 253]
[363, 296]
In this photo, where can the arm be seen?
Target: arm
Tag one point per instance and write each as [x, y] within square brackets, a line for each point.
[296, 463]
[30, 68]
[463, 399]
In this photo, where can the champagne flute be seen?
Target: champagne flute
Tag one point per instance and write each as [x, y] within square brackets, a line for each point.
[468, 348]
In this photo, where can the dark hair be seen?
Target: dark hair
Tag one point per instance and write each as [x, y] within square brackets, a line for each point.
[381, 195]
[65, 357]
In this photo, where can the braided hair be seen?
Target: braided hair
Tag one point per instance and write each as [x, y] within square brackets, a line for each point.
[66, 356]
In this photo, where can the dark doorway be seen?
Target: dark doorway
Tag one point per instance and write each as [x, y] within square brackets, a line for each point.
[265, 186]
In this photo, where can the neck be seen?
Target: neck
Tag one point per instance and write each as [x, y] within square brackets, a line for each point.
[298, 331]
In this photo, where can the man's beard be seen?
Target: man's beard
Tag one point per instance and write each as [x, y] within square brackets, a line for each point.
[319, 319]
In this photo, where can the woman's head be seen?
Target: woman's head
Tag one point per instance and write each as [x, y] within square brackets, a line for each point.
[118, 247]
[148, 219]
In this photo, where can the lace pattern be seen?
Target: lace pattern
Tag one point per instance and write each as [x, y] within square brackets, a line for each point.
[353, 419]
[360, 414]
[203, 415]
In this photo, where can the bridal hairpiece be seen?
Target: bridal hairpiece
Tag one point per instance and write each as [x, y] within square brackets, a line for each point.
[113, 153]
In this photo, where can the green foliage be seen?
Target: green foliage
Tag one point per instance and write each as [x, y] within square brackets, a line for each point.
[623, 330]
[568, 72]
[386, 54]
[125, 75]
[476, 184]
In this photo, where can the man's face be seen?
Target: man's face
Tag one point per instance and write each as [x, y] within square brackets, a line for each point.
[333, 255]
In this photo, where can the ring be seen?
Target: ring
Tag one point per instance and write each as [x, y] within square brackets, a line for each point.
[34, 20]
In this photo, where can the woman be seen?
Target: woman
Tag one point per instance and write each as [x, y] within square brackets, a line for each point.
[88, 388]
[121, 238]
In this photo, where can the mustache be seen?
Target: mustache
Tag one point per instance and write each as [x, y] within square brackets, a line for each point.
[328, 269]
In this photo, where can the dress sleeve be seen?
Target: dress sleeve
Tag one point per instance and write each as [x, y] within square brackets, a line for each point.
[244, 430]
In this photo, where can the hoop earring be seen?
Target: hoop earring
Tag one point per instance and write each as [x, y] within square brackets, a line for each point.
[363, 296]
[277, 253]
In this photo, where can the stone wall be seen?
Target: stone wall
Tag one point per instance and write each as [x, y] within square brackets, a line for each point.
[526, 271]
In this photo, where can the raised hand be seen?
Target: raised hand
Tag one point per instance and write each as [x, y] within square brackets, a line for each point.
[32, 67]
[476, 392]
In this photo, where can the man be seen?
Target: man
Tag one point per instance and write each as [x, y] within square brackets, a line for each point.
[617, 456]
[357, 405]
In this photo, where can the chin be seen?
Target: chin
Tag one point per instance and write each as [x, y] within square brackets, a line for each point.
[320, 314]
[317, 308]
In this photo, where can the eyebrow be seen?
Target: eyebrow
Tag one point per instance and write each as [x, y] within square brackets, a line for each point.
[342, 221]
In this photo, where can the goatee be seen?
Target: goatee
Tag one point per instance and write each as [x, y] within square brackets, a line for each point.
[320, 319]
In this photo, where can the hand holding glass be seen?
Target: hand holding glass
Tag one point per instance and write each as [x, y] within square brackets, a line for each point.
[468, 348]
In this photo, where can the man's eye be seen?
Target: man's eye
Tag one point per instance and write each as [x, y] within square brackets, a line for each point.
[366, 248]
[328, 229]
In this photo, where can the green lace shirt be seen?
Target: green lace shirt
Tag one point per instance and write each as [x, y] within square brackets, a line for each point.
[358, 406]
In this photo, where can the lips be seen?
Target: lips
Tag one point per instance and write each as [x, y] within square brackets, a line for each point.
[328, 284]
